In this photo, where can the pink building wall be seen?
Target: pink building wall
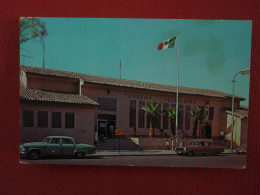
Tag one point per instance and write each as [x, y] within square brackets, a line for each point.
[83, 130]
[86, 117]
[123, 107]
[53, 84]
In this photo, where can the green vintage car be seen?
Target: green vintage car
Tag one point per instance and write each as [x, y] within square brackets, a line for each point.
[56, 146]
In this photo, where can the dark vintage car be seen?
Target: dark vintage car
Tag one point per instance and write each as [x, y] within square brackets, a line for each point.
[199, 146]
[56, 146]
[241, 149]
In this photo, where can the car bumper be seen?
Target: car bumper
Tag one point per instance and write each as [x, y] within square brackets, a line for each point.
[23, 154]
[180, 151]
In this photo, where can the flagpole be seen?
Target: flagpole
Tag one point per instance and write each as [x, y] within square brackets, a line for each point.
[177, 93]
[120, 69]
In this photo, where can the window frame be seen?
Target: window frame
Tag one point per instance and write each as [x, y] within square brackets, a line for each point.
[69, 120]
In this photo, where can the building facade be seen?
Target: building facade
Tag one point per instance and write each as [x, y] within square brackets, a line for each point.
[65, 103]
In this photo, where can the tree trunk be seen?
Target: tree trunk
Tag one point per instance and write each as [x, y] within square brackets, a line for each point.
[151, 128]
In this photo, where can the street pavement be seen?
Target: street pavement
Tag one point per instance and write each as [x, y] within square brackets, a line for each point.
[143, 152]
[166, 159]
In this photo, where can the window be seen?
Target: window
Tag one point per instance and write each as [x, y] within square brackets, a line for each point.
[187, 118]
[132, 117]
[43, 119]
[56, 119]
[55, 141]
[67, 141]
[180, 117]
[110, 117]
[141, 115]
[148, 120]
[69, 120]
[165, 117]
[157, 123]
[46, 140]
[173, 120]
[211, 113]
[107, 104]
[28, 118]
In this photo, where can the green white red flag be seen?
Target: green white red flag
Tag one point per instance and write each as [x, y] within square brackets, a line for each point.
[170, 43]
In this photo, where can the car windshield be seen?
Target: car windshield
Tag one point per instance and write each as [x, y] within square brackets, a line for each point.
[46, 140]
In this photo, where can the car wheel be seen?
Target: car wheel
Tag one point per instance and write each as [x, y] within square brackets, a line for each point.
[190, 153]
[34, 155]
[80, 155]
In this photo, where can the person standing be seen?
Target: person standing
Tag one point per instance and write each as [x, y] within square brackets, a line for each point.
[112, 131]
[167, 144]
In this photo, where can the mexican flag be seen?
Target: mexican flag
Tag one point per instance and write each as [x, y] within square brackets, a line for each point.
[170, 43]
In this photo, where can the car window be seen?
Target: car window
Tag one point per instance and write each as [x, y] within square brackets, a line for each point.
[67, 141]
[46, 140]
[55, 140]
[195, 143]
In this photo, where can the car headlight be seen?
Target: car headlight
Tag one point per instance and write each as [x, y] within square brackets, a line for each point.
[22, 148]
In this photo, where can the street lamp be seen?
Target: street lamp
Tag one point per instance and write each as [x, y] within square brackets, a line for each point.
[242, 72]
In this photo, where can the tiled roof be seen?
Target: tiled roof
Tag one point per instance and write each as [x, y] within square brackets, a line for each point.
[242, 111]
[44, 96]
[127, 83]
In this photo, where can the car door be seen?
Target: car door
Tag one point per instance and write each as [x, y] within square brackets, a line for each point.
[54, 147]
[68, 147]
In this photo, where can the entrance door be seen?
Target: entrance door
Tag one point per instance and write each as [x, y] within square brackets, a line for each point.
[102, 128]
[111, 125]
[106, 125]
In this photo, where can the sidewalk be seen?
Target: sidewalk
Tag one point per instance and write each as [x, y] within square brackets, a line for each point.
[143, 152]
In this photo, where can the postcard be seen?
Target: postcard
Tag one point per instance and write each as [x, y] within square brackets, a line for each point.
[134, 92]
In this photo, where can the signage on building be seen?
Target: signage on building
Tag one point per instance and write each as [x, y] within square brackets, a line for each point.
[103, 125]
[119, 131]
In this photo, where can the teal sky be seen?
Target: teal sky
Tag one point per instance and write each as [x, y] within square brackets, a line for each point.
[210, 51]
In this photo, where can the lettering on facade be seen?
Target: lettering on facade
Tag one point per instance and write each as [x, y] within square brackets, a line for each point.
[167, 99]
[138, 96]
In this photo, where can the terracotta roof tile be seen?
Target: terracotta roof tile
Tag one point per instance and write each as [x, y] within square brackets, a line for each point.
[127, 83]
[44, 96]
[242, 111]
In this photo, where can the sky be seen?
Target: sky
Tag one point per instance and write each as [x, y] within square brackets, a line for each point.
[211, 52]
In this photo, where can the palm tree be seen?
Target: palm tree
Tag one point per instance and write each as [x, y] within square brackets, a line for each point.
[171, 113]
[199, 114]
[152, 111]
[43, 34]
[172, 116]
[30, 28]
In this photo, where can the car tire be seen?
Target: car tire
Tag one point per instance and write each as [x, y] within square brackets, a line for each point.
[190, 153]
[79, 155]
[34, 155]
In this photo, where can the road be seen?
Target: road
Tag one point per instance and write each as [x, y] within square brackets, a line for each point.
[220, 161]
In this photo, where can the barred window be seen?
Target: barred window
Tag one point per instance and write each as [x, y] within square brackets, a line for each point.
[147, 120]
[107, 104]
[173, 125]
[43, 119]
[69, 120]
[132, 116]
[28, 118]
[211, 113]
[56, 119]
[158, 118]
[165, 117]
[180, 117]
[141, 115]
[187, 118]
